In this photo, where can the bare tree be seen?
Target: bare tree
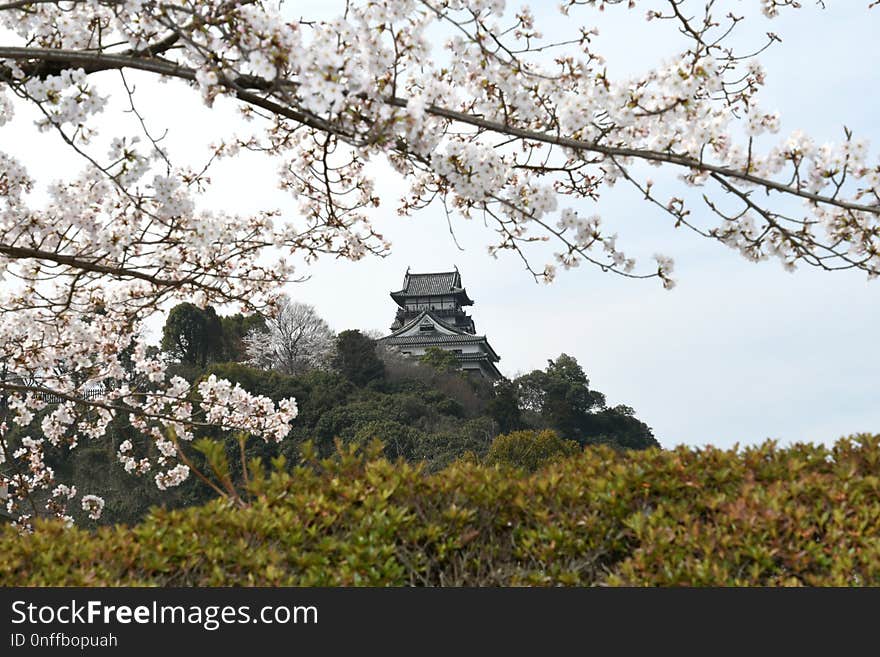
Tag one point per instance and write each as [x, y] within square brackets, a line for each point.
[296, 339]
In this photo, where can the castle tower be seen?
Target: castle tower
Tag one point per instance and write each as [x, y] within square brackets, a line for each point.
[431, 313]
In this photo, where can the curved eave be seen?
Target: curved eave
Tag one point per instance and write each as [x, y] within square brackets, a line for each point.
[400, 296]
[462, 293]
[488, 364]
[444, 339]
[418, 318]
[495, 356]
[491, 358]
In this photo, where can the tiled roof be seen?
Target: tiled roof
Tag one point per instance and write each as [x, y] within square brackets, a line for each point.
[427, 284]
[418, 318]
[479, 358]
[472, 357]
[434, 337]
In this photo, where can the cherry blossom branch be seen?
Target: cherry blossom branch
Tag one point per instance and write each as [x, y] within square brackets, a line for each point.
[95, 62]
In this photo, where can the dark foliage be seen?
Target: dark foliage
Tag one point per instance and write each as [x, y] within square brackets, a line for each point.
[559, 397]
[235, 328]
[355, 358]
[193, 336]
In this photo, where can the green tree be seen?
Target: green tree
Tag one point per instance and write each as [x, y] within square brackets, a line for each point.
[530, 450]
[503, 407]
[560, 394]
[235, 328]
[355, 358]
[193, 336]
[400, 441]
[440, 360]
[559, 397]
[619, 426]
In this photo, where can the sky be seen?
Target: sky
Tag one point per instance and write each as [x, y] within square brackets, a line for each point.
[737, 353]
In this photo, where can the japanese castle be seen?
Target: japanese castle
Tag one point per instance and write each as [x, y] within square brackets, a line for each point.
[431, 314]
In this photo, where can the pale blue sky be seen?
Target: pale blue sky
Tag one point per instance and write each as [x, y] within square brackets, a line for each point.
[737, 352]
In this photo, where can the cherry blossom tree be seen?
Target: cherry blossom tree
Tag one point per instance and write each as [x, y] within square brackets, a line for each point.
[495, 122]
[296, 339]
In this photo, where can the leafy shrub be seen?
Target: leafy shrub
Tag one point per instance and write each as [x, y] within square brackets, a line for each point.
[440, 360]
[803, 515]
[469, 439]
[400, 440]
[530, 450]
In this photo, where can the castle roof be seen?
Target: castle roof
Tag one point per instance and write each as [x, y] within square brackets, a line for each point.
[419, 318]
[405, 335]
[432, 284]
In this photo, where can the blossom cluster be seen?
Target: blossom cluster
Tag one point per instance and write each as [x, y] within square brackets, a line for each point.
[67, 98]
[93, 505]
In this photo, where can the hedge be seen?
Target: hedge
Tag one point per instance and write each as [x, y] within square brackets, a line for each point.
[802, 515]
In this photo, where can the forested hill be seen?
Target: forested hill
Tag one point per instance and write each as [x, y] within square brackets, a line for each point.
[350, 390]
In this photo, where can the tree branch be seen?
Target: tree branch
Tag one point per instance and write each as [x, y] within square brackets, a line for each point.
[242, 86]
